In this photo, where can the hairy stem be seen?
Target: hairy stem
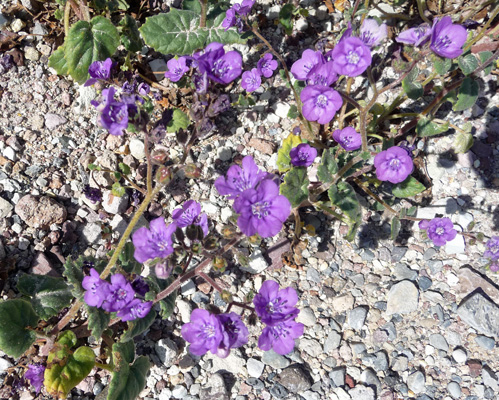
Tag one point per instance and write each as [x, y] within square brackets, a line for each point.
[204, 9]
[67, 15]
[84, 10]
[421, 11]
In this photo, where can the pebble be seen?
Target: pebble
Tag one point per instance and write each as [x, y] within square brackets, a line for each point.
[311, 347]
[166, 349]
[342, 303]
[454, 390]
[17, 24]
[416, 382]
[30, 53]
[485, 342]
[214, 389]
[332, 342]
[255, 367]
[52, 120]
[337, 375]
[114, 204]
[179, 392]
[307, 317]
[275, 360]
[5, 208]
[459, 355]
[357, 317]
[137, 149]
[402, 298]
[439, 342]
[257, 263]
[295, 379]
[481, 314]
[4, 365]
[9, 153]
[360, 392]
[40, 212]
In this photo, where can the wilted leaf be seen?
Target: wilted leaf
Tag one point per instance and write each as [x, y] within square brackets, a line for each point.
[283, 158]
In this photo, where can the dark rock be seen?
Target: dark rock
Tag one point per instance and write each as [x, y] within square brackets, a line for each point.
[295, 379]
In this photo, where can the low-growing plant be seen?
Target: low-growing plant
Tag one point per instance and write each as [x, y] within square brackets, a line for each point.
[361, 152]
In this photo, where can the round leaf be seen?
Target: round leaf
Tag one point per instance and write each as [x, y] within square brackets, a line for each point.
[409, 188]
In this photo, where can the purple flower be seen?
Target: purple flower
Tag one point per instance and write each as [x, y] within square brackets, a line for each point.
[447, 39]
[162, 270]
[267, 65]
[251, 80]
[134, 309]
[230, 19]
[153, 242]
[176, 69]
[99, 70]
[140, 286]
[492, 251]
[235, 334]
[371, 33]
[273, 305]
[189, 214]
[439, 230]
[245, 7]
[303, 155]
[143, 89]
[35, 376]
[239, 179]
[204, 332]
[6, 62]
[96, 288]
[262, 210]
[415, 36]
[219, 66]
[120, 293]
[393, 165]
[351, 57]
[348, 138]
[494, 267]
[93, 194]
[320, 103]
[114, 114]
[281, 337]
[348, 32]
[308, 60]
[322, 74]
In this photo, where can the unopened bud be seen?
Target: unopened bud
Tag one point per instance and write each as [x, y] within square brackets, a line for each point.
[219, 264]
[192, 171]
[197, 248]
[163, 175]
[159, 156]
[229, 231]
[255, 240]
[226, 296]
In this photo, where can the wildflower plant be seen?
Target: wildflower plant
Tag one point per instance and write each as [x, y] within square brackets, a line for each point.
[338, 150]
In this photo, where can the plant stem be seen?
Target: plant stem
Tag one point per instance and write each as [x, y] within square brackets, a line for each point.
[107, 367]
[344, 106]
[84, 10]
[204, 8]
[208, 279]
[421, 12]
[67, 14]
[76, 9]
[483, 31]
[148, 160]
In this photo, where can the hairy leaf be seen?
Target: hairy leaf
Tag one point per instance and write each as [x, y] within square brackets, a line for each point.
[58, 61]
[328, 167]
[467, 95]
[16, 316]
[468, 63]
[395, 228]
[344, 197]
[413, 89]
[426, 127]
[409, 188]
[138, 326]
[180, 120]
[295, 186]
[98, 321]
[283, 158]
[129, 34]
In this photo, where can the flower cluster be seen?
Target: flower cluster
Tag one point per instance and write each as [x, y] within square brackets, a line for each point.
[351, 56]
[492, 253]
[276, 309]
[251, 80]
[234, 15]
[439, 230]
[446, 39]
[219, 333]
[257, 201]
[393, 165]
[117, 296]
[35, 376]
[216, 333]
[213, 64]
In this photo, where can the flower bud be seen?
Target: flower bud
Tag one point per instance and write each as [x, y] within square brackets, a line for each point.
[163, 175]
[219, 264]
[159, 155]
[162, 270]
[192, 171]
[211, 243]
[229, 231]
[226, 296]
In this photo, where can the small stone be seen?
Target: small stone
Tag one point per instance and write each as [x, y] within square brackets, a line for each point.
[416, 382]
[454, 390]
[184, 309]
[257, 263]
[295, 379]
[342, 303]
[137, 149]
[10, 153]
[332, 342]
[179, 392]
[158, 67]
[313, 275]
[400, 363]
[459, 355]
[255, 367]
[5, 208]
[485, 342]
[490, 379]
[114, 204]
[424, 283]
[275, 360]
[92, 232]
[3, 21]
[456, 245]
[402, 298]
[357, 317]
[40, 212]
[282, 109]
[439, 342]
[263, 146]
[398, 253]
[17, 25]
[307, 317]
[30, 53]
[481, 314]
[403, 272]
[311, 347]
[233, 363]
[166, 350]
[337, 375]
[360, 392]
[4, 365]
[52, 120]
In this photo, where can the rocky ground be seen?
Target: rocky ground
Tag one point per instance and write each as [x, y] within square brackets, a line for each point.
[384, 320]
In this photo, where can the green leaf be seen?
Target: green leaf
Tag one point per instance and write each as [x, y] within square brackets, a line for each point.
[426, 127]
[464, 139]
[484, 56]
[413, 89]
[49, 295]
[299, 86]
[395, 227]
[58, 61]
[344, 197]
[286, 17]
[123, 352]
[180, 120]
[409, 188]
[93, 167]
[15, 316]
[127, 261]
[157, 285]
[328, 167]
[98, 321]
[87, 42]
[467, 63]
[128, 381]
[138, 326]
[192, 5]
[283, 159]
[117, 190]
[124, 168]
[467, 95]
[442, 65]
[62, 375]
[73, 271]
[129, 34]
[293, 112]
[295, 186]
[177, 32]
